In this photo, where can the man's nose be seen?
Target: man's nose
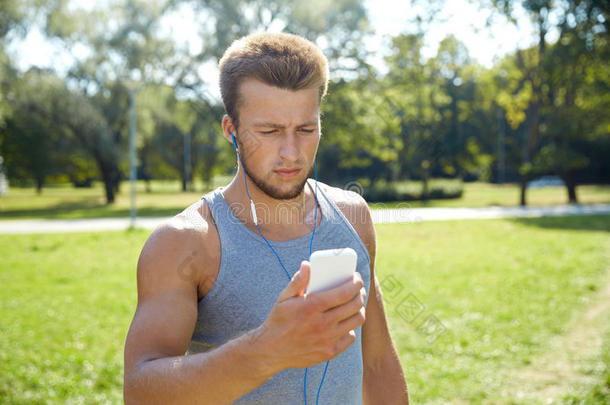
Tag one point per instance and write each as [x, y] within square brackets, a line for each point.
[289, 149]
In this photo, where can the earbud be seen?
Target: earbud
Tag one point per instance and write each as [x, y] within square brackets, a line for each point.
[252, 208]
[234, 141]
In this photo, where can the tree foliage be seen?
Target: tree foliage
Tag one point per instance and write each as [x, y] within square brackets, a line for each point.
[537, 111]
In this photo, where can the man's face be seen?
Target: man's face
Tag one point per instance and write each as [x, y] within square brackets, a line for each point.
[279, 130]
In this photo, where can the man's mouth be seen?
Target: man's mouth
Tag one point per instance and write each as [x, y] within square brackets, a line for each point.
[288, 172]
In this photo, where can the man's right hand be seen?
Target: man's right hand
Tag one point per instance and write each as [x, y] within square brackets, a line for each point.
[305, 329]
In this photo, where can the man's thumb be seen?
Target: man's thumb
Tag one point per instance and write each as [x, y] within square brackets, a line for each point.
[298, 283]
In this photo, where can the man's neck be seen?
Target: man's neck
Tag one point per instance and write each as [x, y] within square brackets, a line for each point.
[282, 218]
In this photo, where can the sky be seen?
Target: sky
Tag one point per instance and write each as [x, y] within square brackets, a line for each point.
[462, 18]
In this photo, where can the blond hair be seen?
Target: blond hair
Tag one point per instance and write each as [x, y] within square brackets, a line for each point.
[283, 60]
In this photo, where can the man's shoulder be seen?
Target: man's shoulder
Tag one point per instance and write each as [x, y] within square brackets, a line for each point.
[191, 226]
[344, 198]
[183, 246]
[351, 204]
[355, 209]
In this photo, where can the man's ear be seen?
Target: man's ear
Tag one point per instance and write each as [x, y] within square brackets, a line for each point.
[227, 128]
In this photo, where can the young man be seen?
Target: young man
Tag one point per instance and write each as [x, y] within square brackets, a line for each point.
[229, 291]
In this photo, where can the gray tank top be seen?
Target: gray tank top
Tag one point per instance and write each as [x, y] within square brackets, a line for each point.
[249, 281]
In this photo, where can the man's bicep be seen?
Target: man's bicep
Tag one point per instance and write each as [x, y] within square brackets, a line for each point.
[166, 312]
[376, 338]
[161, 327]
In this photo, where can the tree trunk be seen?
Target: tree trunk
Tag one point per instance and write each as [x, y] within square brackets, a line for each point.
[108, 186]
[572, 193]
[425, 181]
[425, 192]
[404, 161]
[536, 81]
[523, 187]
[116, 183]
[39, 184]
[570, 183]
[109, 177]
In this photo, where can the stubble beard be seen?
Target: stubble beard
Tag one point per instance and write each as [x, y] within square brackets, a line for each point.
[273, 191]
[270, 190]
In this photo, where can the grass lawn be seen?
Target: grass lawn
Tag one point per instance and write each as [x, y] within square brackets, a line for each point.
[500, 288]
[166, 199]
[492, 293]
[65, 201]
[480, 194]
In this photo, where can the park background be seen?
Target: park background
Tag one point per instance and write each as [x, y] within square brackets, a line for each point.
[431, 104]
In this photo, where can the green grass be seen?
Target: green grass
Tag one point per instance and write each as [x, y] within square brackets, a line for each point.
[501, 288]
[65, 201]
[598, 393]
[65, 309]
[166, 199]
[487, 194]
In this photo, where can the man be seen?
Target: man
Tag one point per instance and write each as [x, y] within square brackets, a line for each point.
[224, 288]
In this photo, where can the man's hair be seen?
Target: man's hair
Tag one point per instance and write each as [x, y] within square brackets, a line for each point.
[278, 59]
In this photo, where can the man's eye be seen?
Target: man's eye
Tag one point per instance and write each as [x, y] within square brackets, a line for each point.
[268, 132]
[309, 131]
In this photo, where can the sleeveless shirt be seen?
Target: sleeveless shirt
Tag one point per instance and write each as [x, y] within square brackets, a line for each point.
[249, 281]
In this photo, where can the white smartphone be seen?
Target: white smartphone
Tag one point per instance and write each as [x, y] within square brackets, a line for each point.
[331, 268]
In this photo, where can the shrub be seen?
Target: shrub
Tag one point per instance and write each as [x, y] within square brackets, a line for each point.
[382, 191]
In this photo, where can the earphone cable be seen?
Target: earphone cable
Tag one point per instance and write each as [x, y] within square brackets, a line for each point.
[280, 261]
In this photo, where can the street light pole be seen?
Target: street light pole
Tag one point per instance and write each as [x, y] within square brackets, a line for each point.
[132, 154]
[501, 147]
[187, 159]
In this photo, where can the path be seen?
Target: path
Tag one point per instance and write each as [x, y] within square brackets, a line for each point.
[396, 215]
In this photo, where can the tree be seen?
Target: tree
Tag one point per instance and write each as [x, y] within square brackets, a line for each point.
[82, 120]
[50, 127]
[125, 46]
[580, 20]
[165, 124]
[576, 68]
[465, 142]
[12, 15]
[354, 141]
[416, 95]
[29, 141]
[124, 49]
[337, 26]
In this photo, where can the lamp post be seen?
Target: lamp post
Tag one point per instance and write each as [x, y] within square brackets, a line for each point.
[187, 159]
[3, 179]
[501, 147]
[132, 154]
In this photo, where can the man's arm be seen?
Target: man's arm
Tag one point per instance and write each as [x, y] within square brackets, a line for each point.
[156, 370]
[384, 380]
[300, 331]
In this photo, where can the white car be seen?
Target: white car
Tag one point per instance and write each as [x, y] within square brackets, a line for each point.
[546, 181]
